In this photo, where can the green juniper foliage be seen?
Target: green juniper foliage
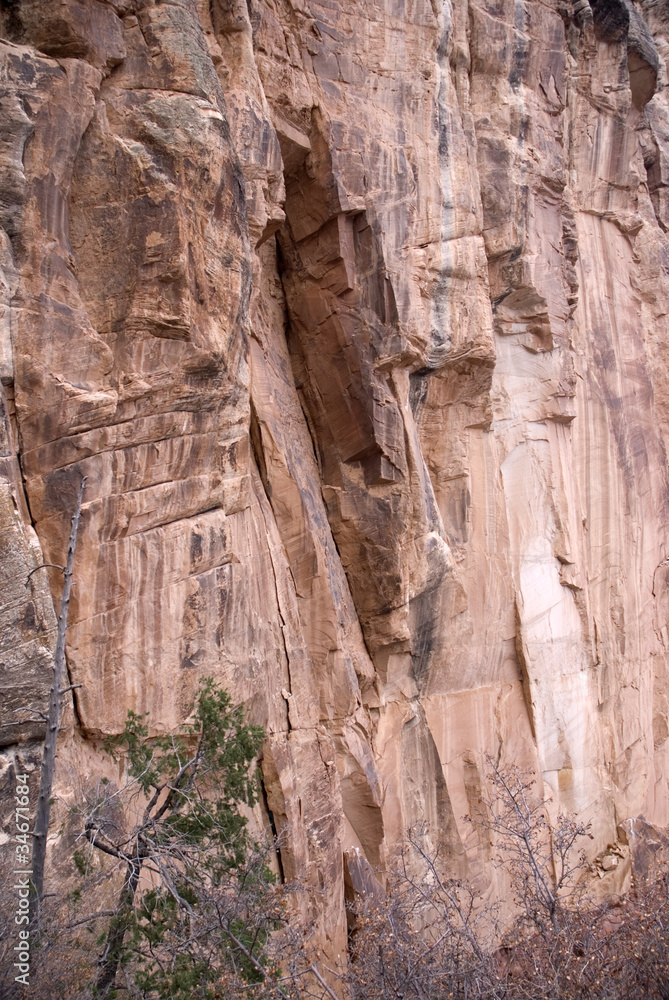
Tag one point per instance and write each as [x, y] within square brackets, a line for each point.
[225, 747]
[202, 910]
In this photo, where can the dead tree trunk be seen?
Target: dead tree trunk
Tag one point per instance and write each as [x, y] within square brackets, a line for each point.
[113, 953]
[53, 722]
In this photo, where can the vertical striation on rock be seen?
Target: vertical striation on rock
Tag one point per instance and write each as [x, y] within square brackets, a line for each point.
[355, 317]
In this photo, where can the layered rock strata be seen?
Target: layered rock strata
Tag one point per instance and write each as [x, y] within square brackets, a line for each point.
[355, 317]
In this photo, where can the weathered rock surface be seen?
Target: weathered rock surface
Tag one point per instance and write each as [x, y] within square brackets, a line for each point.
[355, 316]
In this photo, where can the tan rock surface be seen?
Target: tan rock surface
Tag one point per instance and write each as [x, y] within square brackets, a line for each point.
[355, 317]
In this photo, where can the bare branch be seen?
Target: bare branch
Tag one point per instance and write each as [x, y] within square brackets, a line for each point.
[254, 962]
[34, 711]
[44, 566]
[89, 918]
[325, 986]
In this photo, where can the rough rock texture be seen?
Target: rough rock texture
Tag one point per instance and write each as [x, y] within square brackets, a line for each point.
[355, 315]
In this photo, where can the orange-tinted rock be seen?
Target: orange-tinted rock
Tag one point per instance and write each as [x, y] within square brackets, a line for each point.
[355, 318]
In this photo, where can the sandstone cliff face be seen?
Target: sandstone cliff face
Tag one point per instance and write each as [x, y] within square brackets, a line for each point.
[355, 316]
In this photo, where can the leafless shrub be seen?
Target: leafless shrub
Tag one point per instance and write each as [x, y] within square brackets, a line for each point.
[434, 938]
[428, 938]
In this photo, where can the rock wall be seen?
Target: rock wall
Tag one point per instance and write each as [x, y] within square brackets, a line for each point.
[355, 316]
